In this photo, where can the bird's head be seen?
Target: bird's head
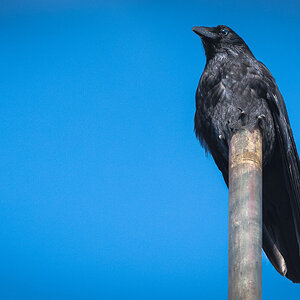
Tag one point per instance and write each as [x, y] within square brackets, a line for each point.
[220, 39]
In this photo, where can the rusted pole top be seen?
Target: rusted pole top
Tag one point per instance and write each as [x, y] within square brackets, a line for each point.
[245, 215]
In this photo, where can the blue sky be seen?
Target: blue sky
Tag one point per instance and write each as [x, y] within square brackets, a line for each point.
[105, 191]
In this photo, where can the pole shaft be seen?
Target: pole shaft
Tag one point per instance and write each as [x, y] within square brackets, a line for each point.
[245, 215]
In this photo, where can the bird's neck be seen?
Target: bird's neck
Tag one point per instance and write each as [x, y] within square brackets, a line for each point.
[220, 54]
[217, 60]
[220, 58]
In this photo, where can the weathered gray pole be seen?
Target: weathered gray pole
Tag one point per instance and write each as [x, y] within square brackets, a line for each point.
[245, 215]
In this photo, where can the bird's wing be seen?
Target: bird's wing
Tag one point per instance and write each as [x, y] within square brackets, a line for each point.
[289, 156]
[268, 90]
[287, 145]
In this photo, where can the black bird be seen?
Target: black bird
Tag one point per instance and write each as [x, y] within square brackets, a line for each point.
[235, 91]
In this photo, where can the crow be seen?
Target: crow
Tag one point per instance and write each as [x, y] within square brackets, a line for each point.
[237, 91]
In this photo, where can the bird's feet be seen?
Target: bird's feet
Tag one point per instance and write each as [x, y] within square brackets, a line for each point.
[242, 116]
[261, 120]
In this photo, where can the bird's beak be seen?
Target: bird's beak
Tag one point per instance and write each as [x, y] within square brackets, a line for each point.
[205, 32]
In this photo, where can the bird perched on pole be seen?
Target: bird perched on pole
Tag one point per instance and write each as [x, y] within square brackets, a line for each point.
[237, 91]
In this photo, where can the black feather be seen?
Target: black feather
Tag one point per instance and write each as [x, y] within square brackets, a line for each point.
[235, 91]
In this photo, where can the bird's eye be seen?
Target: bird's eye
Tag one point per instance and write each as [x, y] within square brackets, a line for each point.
[224, 31]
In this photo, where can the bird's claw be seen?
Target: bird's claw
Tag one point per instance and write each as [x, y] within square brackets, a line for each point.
[242, 111]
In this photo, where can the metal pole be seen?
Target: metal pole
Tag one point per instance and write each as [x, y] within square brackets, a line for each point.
[245, 215]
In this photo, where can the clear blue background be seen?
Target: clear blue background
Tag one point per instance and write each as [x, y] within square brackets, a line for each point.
[105, 191]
